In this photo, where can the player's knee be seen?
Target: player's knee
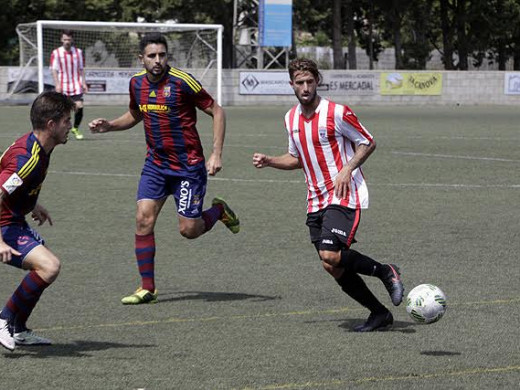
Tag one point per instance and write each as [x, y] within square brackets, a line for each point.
[144, 223]
[189, 232]
[49, 268]
[334, 271]
[330, 257]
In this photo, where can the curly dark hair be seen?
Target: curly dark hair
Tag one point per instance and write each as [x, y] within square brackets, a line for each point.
[304, 65]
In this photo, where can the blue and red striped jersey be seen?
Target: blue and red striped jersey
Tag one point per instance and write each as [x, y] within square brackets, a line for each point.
[169, 114]
[23, 168]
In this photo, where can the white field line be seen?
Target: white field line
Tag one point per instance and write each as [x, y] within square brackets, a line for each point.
[284, 181]
[140, 138]
[434, 155]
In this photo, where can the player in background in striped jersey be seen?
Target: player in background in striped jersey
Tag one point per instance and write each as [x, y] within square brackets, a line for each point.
[166, 99]
[23, 167]
[68, 71]
[328, 142]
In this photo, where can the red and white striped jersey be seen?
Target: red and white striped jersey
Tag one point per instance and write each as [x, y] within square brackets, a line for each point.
[324, 143]
[69, 65]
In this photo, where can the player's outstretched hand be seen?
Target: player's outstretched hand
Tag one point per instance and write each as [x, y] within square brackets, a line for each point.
[99, 125]
[6, 252]
[214, 164]
[260, 160]
[40, 215]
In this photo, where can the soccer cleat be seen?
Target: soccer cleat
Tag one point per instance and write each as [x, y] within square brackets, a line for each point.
[28, 337]
[228, 217]
[76, 133]
[394, 284]
[6, 339]
[140, 296]
[375, 322]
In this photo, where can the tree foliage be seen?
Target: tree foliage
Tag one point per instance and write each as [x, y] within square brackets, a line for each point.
[464, 31]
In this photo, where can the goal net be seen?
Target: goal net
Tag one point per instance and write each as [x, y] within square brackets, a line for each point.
[111, 53]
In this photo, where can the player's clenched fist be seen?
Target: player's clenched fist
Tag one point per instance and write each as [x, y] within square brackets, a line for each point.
[99, 125]
[260, 160]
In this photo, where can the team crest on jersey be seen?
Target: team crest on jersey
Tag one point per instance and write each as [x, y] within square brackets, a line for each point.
[322, 132]
[167, 91]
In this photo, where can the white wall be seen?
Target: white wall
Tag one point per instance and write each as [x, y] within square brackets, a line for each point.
[467, 88]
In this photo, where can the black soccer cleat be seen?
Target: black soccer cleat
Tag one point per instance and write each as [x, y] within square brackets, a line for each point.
[375, 321]
[394, 284]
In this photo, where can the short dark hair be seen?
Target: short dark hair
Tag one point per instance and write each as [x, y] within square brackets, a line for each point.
[152, 38]
[47, 106]
[67, 32]
[304, 65]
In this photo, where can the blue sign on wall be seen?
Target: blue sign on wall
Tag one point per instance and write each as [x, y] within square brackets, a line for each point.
[275, 23]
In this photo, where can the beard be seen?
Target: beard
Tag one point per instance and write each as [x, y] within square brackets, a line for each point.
[308, 100]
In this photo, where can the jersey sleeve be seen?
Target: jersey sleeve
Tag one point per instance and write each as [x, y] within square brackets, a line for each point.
[351, 128]
[202, 99]
[190, 86]
[131, 91]
[293, 151]
[11, 177]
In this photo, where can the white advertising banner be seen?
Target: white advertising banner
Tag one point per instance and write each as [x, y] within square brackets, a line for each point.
[99, 81]
[265, 83]
[277, 83]
[349, 83]
[108, 81]
[512, 83]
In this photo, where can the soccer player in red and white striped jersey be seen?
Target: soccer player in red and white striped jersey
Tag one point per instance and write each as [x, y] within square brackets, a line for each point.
[68, 71]
[329, 143]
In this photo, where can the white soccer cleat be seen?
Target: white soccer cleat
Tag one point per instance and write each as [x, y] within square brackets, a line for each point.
[6, 339]
[27, 337]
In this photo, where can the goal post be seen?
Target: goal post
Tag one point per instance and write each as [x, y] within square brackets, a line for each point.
[114, 46]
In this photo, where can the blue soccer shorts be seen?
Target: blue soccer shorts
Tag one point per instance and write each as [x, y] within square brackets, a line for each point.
[188, 191]
[23, 238]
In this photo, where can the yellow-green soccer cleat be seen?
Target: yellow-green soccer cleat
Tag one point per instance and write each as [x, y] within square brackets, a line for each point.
[228, 218]
[140, 296]
[76, 133]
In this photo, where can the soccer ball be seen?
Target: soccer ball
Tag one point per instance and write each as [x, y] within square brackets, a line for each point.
[426, 303]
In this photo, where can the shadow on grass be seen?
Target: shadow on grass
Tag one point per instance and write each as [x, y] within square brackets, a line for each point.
[212, 296]
[80, 348]
[398, 326]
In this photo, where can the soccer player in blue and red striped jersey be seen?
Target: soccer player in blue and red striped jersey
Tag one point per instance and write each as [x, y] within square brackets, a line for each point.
[166, 99]
[23, 167]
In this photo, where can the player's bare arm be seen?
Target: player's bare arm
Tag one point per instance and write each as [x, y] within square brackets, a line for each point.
[214, 163]
[57, 85]
[41, 215]
[6, 251]
[342, 182]
[126, 121]
[286, 161]
[85, 86]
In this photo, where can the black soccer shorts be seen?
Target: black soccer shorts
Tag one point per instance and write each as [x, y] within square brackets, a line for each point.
[334, 227]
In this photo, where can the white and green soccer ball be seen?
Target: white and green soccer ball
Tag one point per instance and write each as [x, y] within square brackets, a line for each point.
[426, 303]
